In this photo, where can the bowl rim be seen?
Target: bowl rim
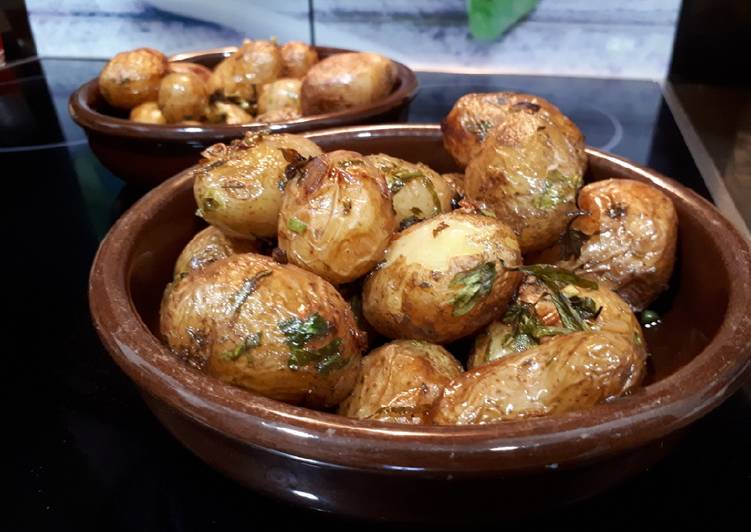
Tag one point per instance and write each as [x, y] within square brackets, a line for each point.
[650, 413]
[90, 118]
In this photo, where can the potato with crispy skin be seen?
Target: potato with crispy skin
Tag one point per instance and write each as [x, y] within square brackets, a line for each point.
[242, 74]
[274, 329]
[417, 191]
[132, 78]
[443, 278]
[183, 96]
[209, 245]
[400, 381]
[281, 94]
[475, 115]
[336, 219]
[220, 112]
[147, 113]
[297, 58]
[238, 188]
[574, 372]
[551, 302]
[343, 81]
[626, 239]
[527, 173]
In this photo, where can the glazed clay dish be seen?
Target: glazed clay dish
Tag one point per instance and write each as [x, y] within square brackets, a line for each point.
[146, 154]
[698, 357]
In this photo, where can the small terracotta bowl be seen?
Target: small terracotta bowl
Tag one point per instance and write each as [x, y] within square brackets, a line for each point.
[699, 356]
[147, 154]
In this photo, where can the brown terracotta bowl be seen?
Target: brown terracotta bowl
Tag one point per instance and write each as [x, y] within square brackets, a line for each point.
[700, 354]
[147, 154]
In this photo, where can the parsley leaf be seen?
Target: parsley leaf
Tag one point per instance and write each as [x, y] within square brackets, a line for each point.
[296, 226]
[474, 284]
[251, 341]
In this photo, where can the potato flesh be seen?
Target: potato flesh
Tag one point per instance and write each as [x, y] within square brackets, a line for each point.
[337, 219]
[632, 232]
[574, 372]
[412, 296]
[238, 188]
[208, 316]
[400, 381]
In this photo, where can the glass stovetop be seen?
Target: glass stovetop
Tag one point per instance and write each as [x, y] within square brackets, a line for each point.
[84, 450]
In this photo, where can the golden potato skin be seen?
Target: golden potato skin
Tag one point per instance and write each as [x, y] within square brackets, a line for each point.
[336, 219]
[343, 81]
[243, 73]
[238, 188]
[400, 381]
[417, 191]
[631, 233]
[297, 58]
[613, 316]
[527, 173]
[182, 96]
[280, 115]
[242, 319]
[574, 372]
[228, 113]
[209, 245]
[181, 67]
[475, 115]
[443, 278]
[147, 113]
[281, 94]
[132, 78]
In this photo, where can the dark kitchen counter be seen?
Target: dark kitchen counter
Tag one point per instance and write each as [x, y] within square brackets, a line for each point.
[85, 453]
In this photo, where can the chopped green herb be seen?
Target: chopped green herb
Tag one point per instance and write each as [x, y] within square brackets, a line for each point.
[299, 332]
[487, 212]
[296, 226]
[251, 341]
[248, 287]
[209, 204]
[649, 318]
[570, 318]
[557, 189]
[347, 163]
[637, 338]
[586, 307]
[474, 284]
[571, 243]
[557, 277]
[409, 222]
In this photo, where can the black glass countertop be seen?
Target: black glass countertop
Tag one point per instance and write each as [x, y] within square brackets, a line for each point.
[83, 451]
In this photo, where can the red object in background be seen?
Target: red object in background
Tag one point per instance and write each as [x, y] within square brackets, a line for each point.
[2, 52]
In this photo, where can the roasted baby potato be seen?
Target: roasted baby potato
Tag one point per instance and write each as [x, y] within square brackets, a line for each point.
[627, 239]
[274, 329]
[209, 245]
[551, 302]
[443, 278]
[400, 381]
[342, 81]
[182, 96]
[527, 173]
[336, 219]
[147, 113]
[573, 372]
[280, 115]
[132, 78]
[243, 73]
[417, 191]
[238, 188]
[280, 94]
[297, 58]
[475, 115]
[199, 70]
[220, 112]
